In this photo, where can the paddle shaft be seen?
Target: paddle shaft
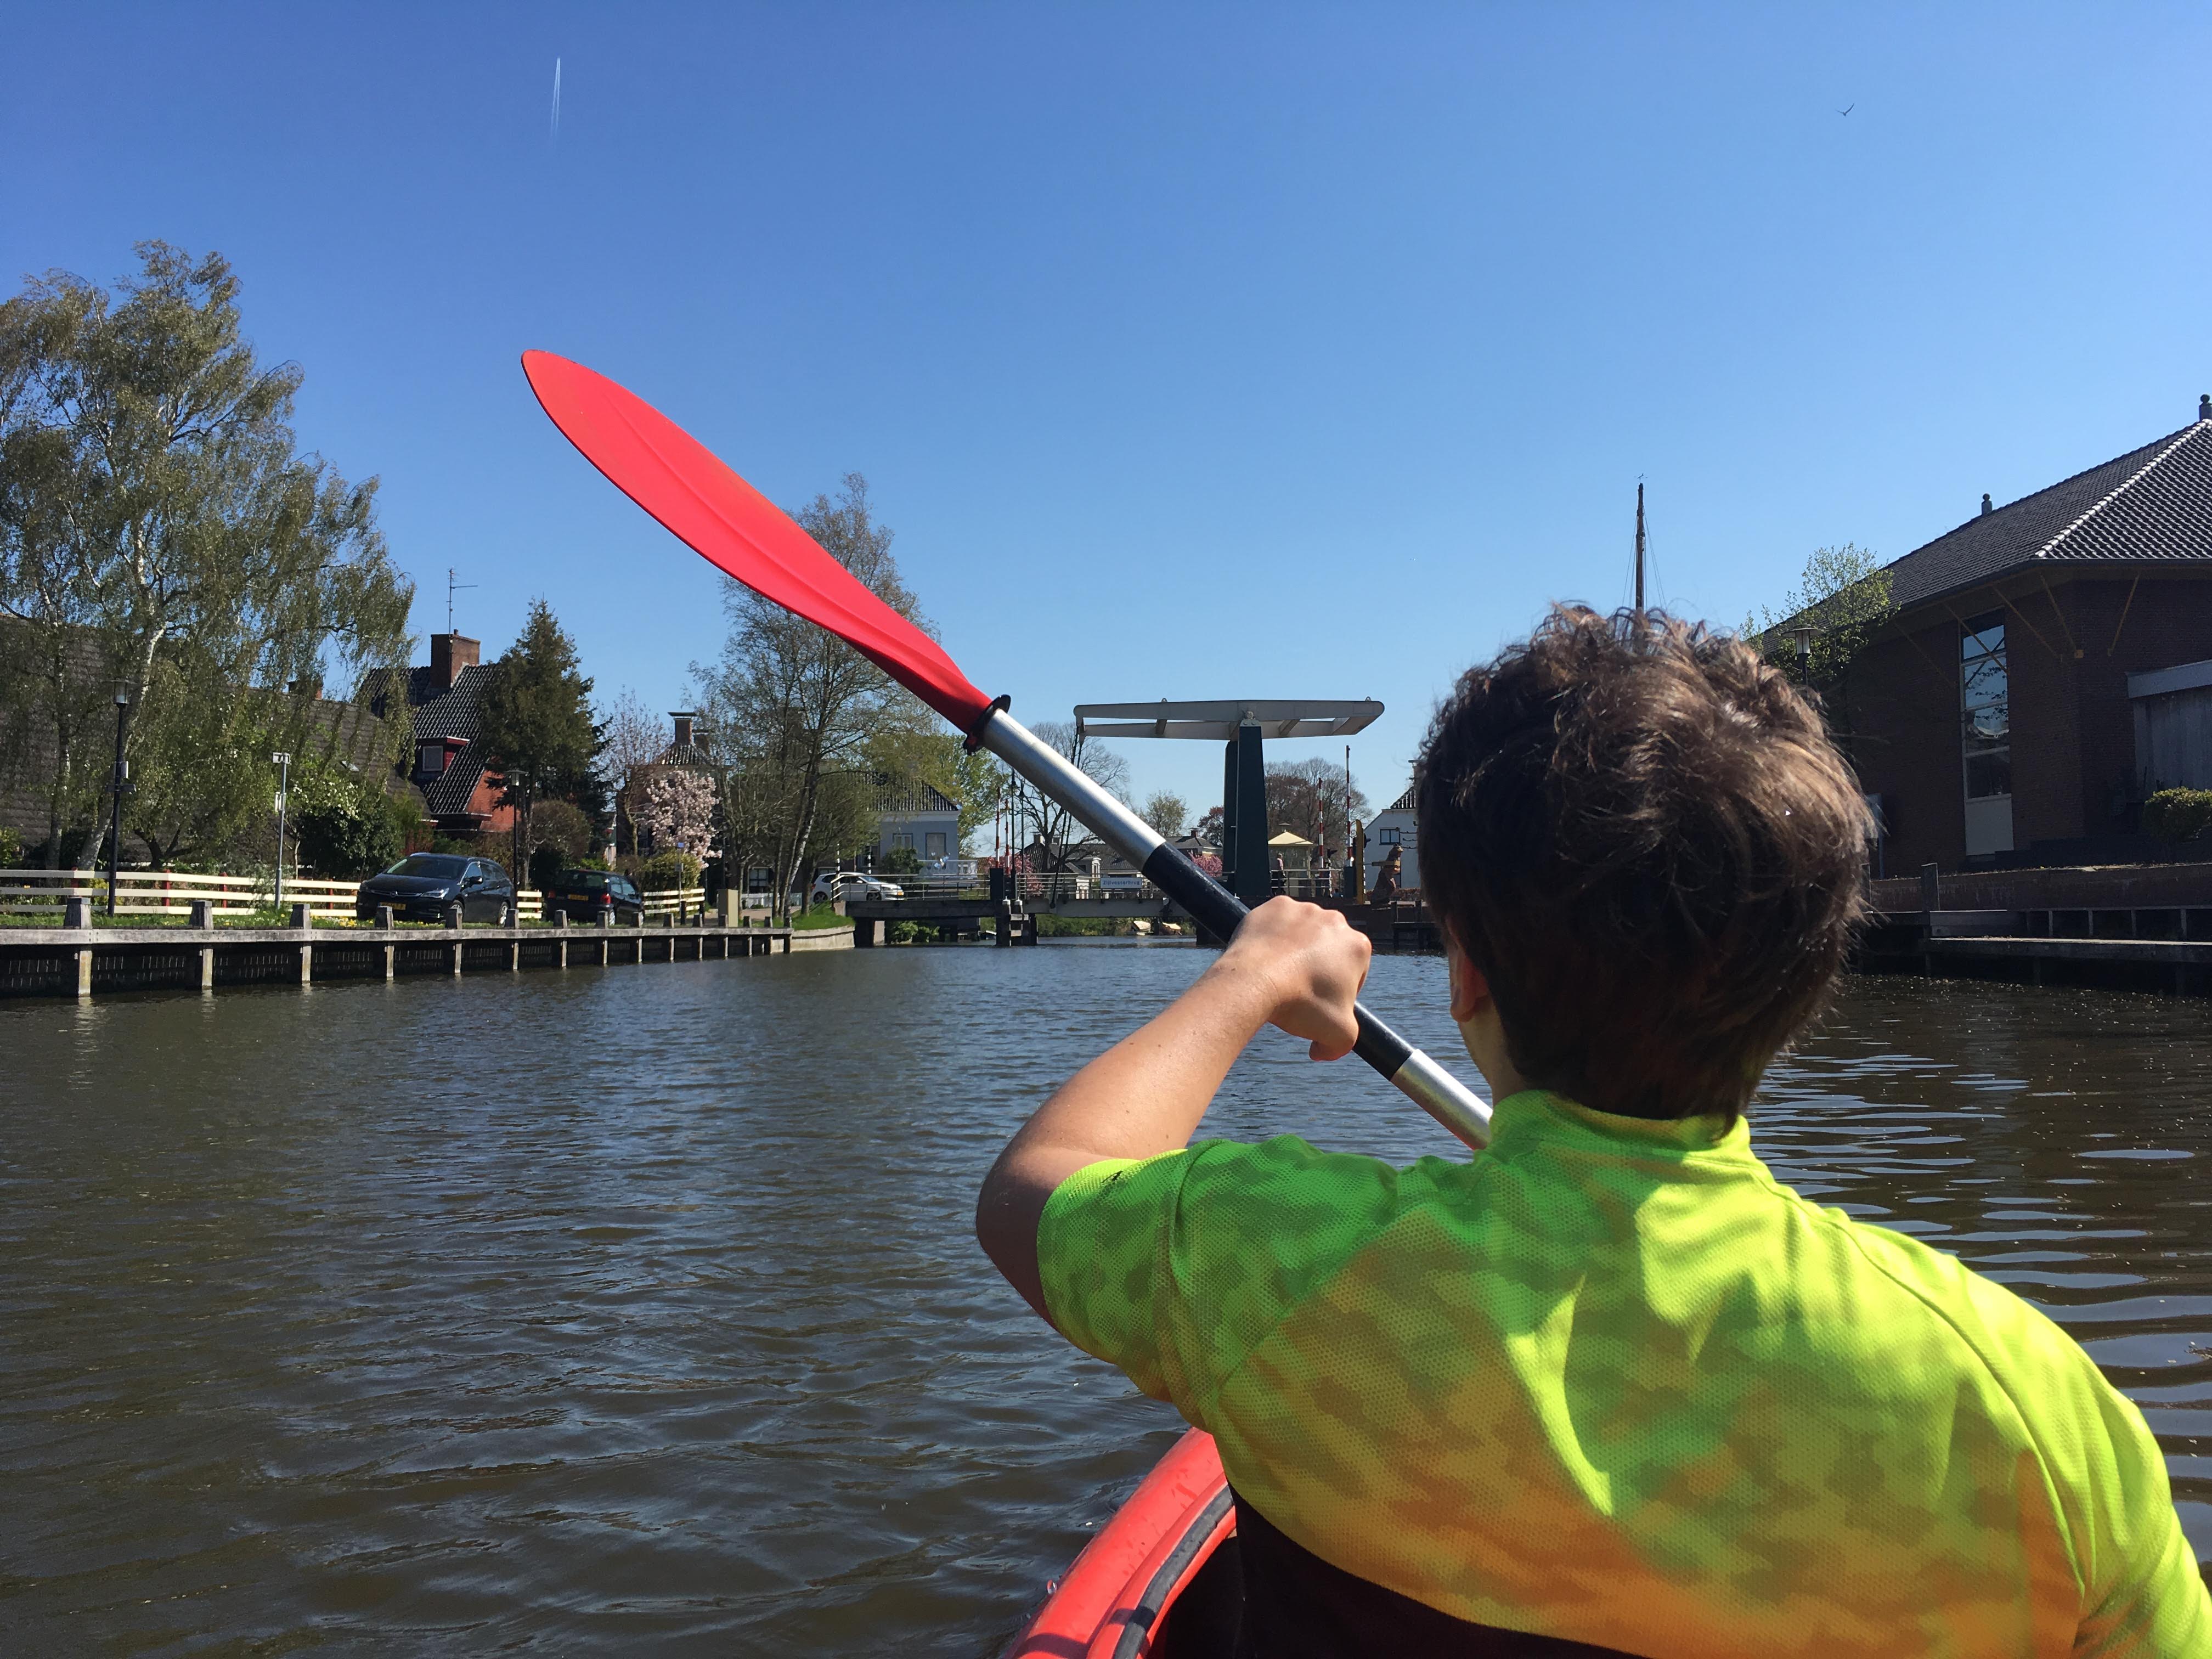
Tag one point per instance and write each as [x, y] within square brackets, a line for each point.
[1424, 1082]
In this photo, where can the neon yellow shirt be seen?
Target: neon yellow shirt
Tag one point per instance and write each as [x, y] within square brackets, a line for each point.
[1610, 1382]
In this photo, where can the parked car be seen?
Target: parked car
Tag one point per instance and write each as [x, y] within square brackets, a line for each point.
[421, 885]
[834, 884]
[585, 895]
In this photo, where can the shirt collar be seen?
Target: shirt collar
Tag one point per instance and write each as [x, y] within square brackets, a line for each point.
[1535, 1116]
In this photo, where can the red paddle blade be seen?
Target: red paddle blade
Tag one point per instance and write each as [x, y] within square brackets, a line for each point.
[679, 481]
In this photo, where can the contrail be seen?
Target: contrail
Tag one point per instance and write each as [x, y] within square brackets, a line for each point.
[554, 135]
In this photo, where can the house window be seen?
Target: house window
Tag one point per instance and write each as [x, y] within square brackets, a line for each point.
[934, 845]
[901, 838]
[430, 759]
[1985, 697]
[1387, 837]
[1985, 734]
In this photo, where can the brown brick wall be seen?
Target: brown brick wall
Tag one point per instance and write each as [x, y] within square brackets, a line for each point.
[2118, 887]
[2169, 621]
[2069, 654]
[1904, 697]
[2046, 749]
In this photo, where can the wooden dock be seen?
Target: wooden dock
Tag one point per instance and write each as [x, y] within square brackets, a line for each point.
[83, 961]
[2166, 948]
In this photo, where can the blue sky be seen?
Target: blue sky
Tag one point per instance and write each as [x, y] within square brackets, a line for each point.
[1192, 350]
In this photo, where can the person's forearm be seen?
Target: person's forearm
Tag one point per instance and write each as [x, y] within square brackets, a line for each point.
[1142, 1096]
[1290, 964]
[1147, 1093]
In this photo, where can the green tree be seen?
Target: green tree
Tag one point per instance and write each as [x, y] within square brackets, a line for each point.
[795, 709]
[1166, 812]
[534, 719]
[160, 535]
[1842, 598]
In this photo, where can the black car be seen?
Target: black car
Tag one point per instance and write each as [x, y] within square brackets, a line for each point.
[421, 885]
[586, 895]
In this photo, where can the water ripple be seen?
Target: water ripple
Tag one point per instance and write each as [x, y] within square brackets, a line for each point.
[638, 1311]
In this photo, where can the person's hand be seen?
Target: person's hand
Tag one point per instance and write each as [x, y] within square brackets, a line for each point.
[1309, 964]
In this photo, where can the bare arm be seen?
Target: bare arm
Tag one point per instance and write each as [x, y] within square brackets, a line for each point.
[1291, 964]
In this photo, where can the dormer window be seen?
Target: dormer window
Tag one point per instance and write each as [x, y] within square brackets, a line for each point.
[430, 759]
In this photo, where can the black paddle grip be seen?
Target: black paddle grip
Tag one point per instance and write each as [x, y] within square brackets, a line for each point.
[1219, 911]
[1211, 905]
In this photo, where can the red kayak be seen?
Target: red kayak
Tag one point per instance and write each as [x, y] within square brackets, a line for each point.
[1161, 1582]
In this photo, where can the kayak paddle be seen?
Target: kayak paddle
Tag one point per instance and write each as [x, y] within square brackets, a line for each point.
[688, 489]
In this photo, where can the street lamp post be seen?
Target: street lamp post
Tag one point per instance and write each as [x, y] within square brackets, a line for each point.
[283, 788]
[120, 785]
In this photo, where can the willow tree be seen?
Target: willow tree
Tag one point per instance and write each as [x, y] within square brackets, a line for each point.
[795, 709]
[162, 537]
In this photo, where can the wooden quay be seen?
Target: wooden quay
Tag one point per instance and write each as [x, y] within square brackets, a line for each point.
[79, 959]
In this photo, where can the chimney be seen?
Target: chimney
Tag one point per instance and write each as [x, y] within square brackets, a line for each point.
[1986, 508]
[682, 719]
[2204, 405]
[449, 654]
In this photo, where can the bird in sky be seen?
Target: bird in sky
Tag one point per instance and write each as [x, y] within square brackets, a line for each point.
[1848, 108]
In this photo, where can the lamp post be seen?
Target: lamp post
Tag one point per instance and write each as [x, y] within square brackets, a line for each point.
[283, 788]
[1804, 635]
[121, 783]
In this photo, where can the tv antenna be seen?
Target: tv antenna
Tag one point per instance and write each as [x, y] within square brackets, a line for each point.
[452, 586]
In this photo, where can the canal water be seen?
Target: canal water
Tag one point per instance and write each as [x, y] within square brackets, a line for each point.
[637, 1310]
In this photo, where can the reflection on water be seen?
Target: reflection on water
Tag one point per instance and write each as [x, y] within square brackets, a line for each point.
[637, 1309]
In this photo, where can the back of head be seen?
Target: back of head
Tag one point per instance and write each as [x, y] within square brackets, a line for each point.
[1642, 836]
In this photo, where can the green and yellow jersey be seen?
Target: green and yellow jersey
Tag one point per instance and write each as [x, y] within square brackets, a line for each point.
[1612, 1382]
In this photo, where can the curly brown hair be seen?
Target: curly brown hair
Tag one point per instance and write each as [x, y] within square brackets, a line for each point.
[1642, 836]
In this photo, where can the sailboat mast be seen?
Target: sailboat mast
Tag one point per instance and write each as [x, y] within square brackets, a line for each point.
[1640, 552]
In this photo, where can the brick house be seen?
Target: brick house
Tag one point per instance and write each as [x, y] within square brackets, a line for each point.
[686, 752]
[445, 762]
[1993, 716]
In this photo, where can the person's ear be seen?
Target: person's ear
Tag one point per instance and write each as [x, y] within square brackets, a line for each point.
[1470, 990]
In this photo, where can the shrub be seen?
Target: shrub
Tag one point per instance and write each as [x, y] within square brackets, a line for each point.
[2178, 814]
[346, 824]
[11, 850]
[903, 861]
[664, 873]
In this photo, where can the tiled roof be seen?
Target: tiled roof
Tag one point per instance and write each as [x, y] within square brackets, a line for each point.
[690, 755]
[2150, 504]
[1404, 802]
[903, 798]
[450, 712]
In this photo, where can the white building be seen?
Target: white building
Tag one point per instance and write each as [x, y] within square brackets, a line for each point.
[922, 818]
[1393, 827]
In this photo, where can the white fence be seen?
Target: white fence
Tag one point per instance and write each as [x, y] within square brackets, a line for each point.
[172, 893]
